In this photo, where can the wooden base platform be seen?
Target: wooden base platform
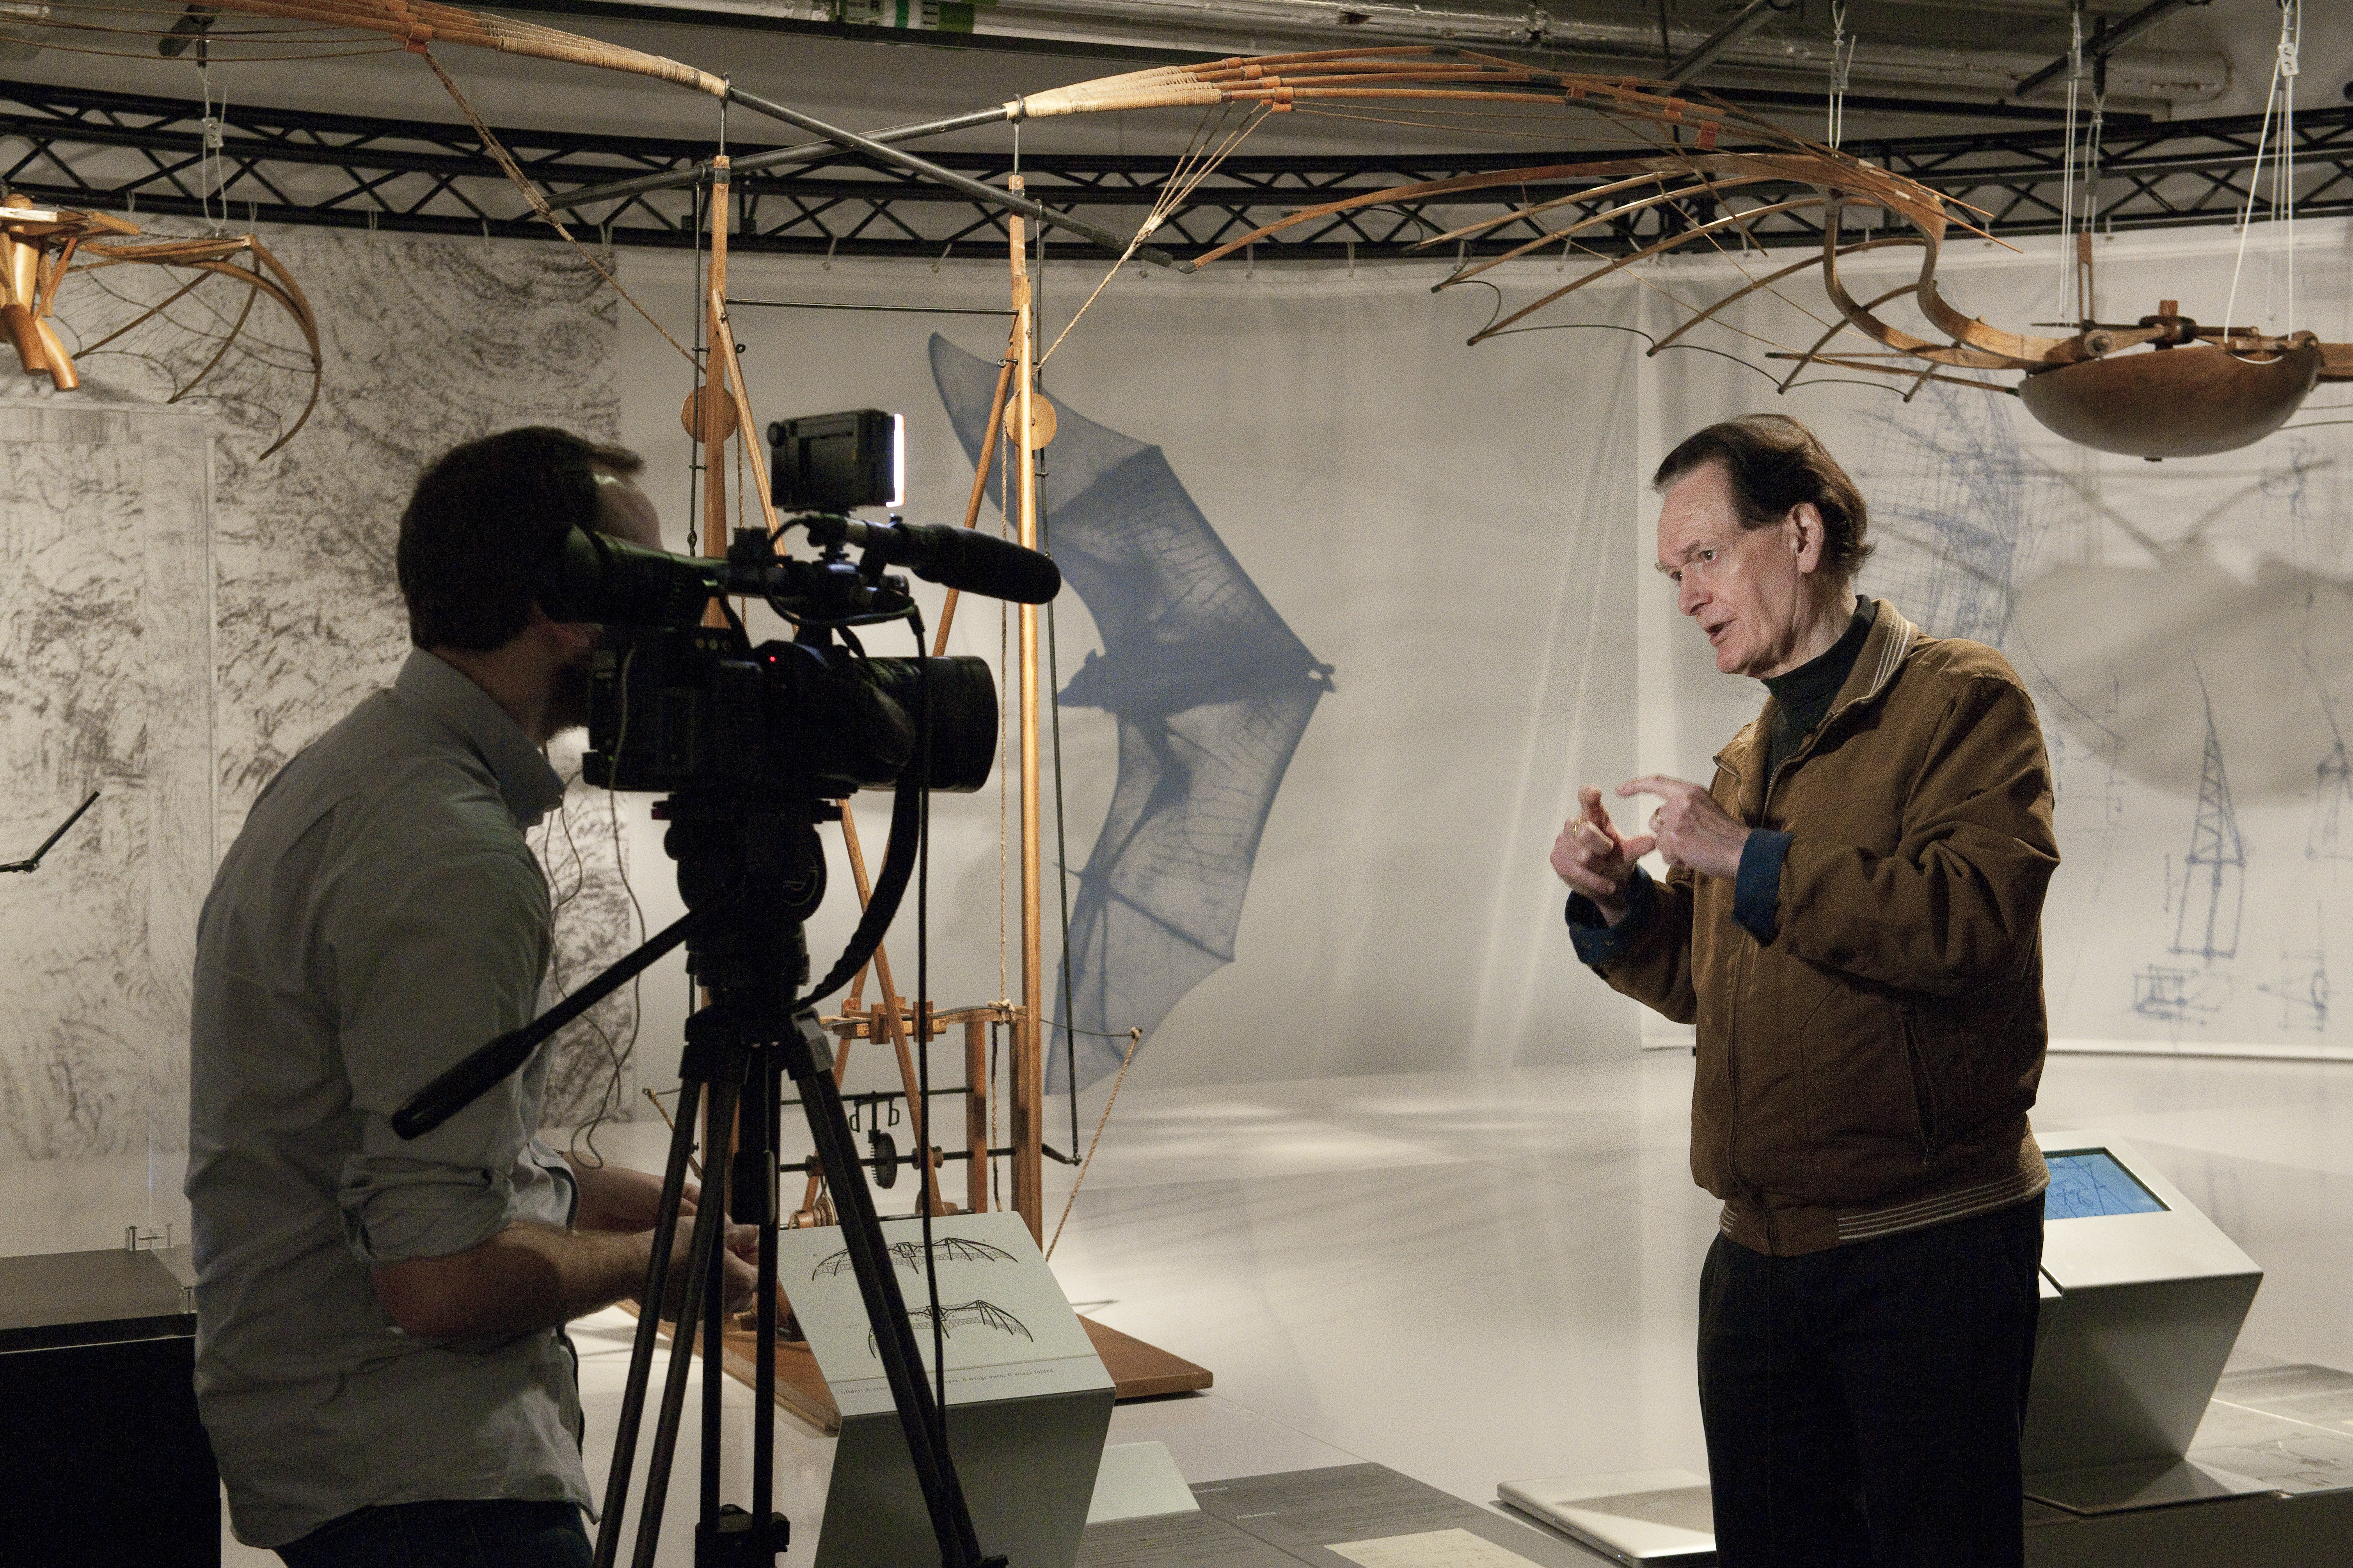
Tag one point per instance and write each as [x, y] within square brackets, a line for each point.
[1138, 1371]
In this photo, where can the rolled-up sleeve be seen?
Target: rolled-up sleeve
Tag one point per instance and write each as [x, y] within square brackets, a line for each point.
[433, 957]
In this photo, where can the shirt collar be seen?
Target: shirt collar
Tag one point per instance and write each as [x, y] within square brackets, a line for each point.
[528, 785]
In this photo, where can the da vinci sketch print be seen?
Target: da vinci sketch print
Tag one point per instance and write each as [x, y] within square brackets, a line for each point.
[2214, 889]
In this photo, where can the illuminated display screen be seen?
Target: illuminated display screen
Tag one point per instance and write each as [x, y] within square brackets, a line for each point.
[2088, 1183]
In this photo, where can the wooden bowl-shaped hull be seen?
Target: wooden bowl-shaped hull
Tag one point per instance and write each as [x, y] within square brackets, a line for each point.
[2171, 403]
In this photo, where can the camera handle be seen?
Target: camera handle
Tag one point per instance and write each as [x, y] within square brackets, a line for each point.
[764, 867]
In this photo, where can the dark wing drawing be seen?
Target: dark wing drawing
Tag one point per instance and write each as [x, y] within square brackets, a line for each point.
[1211, 691]
[964, 1315]
[909, 1254]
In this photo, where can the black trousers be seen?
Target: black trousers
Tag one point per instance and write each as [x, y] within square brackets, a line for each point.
[1864, 1405]
[490, 1533]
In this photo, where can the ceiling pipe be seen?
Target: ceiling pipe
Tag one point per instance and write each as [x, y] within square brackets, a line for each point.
[1574, 41]
[2108, 41]
[1759, 13]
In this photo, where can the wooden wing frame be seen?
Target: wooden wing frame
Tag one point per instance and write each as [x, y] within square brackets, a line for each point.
[1688, 159]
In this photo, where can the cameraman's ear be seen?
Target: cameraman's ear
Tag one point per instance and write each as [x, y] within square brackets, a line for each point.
[576, 636]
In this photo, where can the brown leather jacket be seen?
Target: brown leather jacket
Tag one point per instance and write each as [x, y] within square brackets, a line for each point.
[1870, 1070]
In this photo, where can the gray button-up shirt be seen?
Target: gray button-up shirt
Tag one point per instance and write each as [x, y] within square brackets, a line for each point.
[379, 918]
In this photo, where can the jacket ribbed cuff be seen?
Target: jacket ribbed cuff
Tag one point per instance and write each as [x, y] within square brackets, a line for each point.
[1756, 892]
[1596, 940]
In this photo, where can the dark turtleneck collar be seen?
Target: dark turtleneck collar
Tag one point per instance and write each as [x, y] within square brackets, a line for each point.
[1805, 694]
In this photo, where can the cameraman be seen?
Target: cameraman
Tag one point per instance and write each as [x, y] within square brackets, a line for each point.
[381, 1360]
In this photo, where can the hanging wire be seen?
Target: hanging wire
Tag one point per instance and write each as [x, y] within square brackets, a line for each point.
[1841, 66]
[1201, 159]
[2284, 202]
[2283, 75]
[2068, 306]
[1135, 1038]
[211, 179]
[535, 197]
[2093, 158]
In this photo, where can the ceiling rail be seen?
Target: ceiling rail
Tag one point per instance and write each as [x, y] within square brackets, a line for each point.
[131, 153]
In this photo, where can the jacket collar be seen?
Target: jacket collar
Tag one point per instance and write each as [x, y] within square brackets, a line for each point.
[529, 788]
[1891, 638]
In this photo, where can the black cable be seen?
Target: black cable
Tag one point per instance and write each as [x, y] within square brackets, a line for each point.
[890, 889]
[1061, 821]
[1062, 844]
[924, 1185]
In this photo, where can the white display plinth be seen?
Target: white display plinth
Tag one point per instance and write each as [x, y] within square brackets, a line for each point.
[1029, 1401]
[2150, 1297]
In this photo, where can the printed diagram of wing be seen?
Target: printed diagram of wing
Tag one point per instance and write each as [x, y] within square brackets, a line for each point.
[909, 1254]
[1211, 692]
[975, 1313]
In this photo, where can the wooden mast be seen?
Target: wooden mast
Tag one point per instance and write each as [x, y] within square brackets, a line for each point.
[713, 415]
[1027, 1088]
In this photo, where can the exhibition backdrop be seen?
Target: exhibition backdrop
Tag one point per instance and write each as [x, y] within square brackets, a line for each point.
[1326, 856]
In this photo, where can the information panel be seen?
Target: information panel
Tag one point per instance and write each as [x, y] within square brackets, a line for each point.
[2089, 1183]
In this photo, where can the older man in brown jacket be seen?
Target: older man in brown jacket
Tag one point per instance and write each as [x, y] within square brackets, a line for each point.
[1853, 920]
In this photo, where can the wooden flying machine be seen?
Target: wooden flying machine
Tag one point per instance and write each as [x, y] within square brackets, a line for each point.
[718, 410]
[2197, 389]
[2160, 385]
[42, 247]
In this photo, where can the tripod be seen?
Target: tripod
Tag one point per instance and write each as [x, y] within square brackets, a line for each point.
[751, 870]
[765, 865]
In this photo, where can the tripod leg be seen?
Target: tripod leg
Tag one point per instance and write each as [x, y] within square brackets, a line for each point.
[718, 1191]
[710, 1221]
[642, 1347]
[760, 1206]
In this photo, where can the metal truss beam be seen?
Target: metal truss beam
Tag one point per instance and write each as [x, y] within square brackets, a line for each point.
[119, 152]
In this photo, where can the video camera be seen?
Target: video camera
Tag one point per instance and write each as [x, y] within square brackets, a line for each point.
[676, 704]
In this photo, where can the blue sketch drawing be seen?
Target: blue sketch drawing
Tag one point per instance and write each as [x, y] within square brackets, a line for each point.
[2088, 1184]
[2303, 985]
[2177, 995]
[1211, 691]
[1954, 502]
[2303, 991]
[2213, 894]
[2327, 841]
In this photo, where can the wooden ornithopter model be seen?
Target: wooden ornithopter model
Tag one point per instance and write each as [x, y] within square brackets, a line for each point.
[41, 249]
[1700, 173]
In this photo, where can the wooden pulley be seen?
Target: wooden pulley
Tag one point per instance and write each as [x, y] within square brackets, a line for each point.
[2173, 402]
[1042, 420]
[709, 405]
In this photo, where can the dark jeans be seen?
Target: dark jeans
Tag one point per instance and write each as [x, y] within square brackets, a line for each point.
[497, 1534]
[1864, 1405]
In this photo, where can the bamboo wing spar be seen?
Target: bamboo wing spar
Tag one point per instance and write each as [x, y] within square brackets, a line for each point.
[418, 27]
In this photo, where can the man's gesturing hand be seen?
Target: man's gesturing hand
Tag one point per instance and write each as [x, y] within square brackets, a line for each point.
[1592, 857]
[1689, 828]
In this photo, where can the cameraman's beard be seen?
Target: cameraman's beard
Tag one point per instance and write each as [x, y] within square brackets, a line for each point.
[567, 705]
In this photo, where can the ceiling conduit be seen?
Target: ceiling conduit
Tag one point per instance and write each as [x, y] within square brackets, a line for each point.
[2139, 77]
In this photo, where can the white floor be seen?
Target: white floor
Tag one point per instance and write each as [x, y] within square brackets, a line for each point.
[1476, 1277]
